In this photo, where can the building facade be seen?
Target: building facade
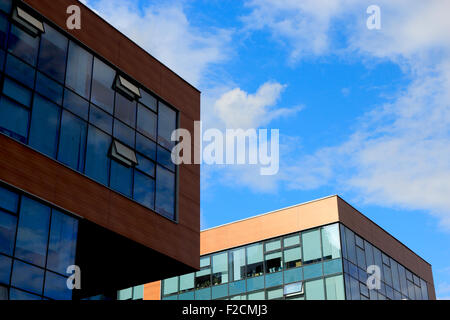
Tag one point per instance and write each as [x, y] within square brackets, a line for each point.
[86, 176]
[324, 249]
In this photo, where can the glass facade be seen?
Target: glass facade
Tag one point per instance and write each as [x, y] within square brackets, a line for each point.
[37, 244]
[59, 99]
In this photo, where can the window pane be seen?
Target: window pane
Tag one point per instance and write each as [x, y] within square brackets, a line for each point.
[167, 119]
[102, 81]
[165, 158]
[165, 192]
[220, 268]
[101, 119]
[204, 294]
[144, 189]
[274, 294]
[335, 288]
[13, 120]
[121, 178]
[97, 161]
[145, 146]
[76, 104]
[256, 296]
[187, 281]
[274, 262]
[273, 245]
[368, 251]
[148, 100]
[32, 234]
[351, 248]
[56, 287]
[331, 242]
[170, 285]
[333, 266]
[8, 200]
[17, 92]
[53, 53]
[63, 240]
[255, 283]
[203, 278]
[255, 260]
[49, 88]
[220, 291]
[361, 258]
[146, 122]
[8, 225]
[314, 290]
[79, 70]
[27, 277]
[23, 45]
[312, 271]
[205, 261]
[312, 251]
[125, 110]
[4, 26]
[20, 71]
[291, 240]
[293, 257]
[5, 269]
[293, 275]
[237, 264]
[124, 133]
[44, 126]
[293, 288]
[72, 141]
[145, 165]
[16, 294]
[274, 279]
[237, 287]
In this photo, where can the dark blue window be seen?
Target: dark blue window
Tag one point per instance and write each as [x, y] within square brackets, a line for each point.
[72, 141]
[144, 189]
[17, 92]
[13, 119]
[32, 234]
[167, 122]
[3, 30]
[8, 225]
[125, 110]
[27, 277]
[5, 5]
[76, 104]
[5, 269]
[146, 122]
[20, 71]
[148, 100]
[16, 294]
[97, 161]
[53, 53]
[63, 240]
[23, 45]
[145, 146]
[102, 81]
[145, 165]
[165, 158]
[101, 119]
[8, 200]
[49, 88]
[165, 192]
[56, 287]
[44, 126]
[2, 59]
[124, 133]
[121, 178]
[79, 70]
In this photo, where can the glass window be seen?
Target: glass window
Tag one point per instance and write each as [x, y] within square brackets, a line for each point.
[23, 45]
[63, 241]
[354, 289]
[145, 165]
[203, 278]
[369, 253]
[378, 262]
[293, 288]
[13, 120]
[125, 294]
[19, 71]
[312, 271]
[256, 296]
[293, 275]
[315, 290]
[395, 275]
[291, 240]
[102, 81]
[27, 277]
[144, 189]
[170, 285]
[101, 119]
[124, 133]
[205, 261]
[165, 192]
[121, 178]
[385, 259]
[220, 291]
[237, 264]
[76, 104]
[187, 282]
[203, 294]
[255, 283]
[49, 88]
[333, 266]
[17, 92]
[274, 279]
[292, 258]
[331, 242]
[274, 262]
[237, 287]
[5, 269]
[335, 288]
[255, 260]
[72, 141]
[16, 294]
[8, 225]
[273, 245]
[56, 287]
[79, 70]
[312, 251]
[125, 110]
[387, 275]
[165, 158]
[220, 268]
[146, 122]
[275, 294]
[8, 200]
[361, 258]
[424, 288]
[97, 161]
[5, 5]
[167, 122]
[53, 54]
[44, 126]
[145, 146]
[4, 24]
[148, 100]
[32, 234]
[351, 248]
[187, 296]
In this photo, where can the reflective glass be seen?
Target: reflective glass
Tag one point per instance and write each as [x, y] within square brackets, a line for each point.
[220, 291]
[256, 296]
[274, 279]
[19, 71]
[331, 242]
[17, 92]
[170, 285]
[5, 5]
[255, 258]
[125, 110]
[8, 225]
[76, 104]
[53, 54]
[164, 158]
[145, 146]
[186, 296]
[144, 189]
[32, 233]
[312, 251]
[203, 294]
[145, 165]
[291, 240]
[121, 178]
[8, 200]
[16, 294]
[274, 262]
[101, 119]
[292, 257]
[167, 119]
[79, 70]
[23, 45]
[72, 141]
[4, 24]
[97, 161]
[44, 126]
[237, 287]
[13, 119]
[315, 290]
[335, 288]
[255, 283]
[146, 122]
[237, 265]
[124, 133]
[293, 275]
[220, 268]
[351, 248]
[165, 192]
[333, 266]
[102, 81]
[274, 294]
[5, 269]
[49, 88]
[312, 271]
[361, 258]
[56, 287]
[203, 278]
[187, 282]
[27, 277]
[148, 100]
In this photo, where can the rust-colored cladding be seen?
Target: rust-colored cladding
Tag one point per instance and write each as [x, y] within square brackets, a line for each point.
[34, 173]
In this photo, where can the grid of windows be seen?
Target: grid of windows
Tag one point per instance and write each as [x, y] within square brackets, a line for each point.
[37, 244]
[304, 265]
[397, 282]
[133, 293]
[61, 100]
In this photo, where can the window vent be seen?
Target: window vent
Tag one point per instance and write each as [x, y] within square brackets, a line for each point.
[27, 21]
[127, 88]
[293, 289]
[123, 154]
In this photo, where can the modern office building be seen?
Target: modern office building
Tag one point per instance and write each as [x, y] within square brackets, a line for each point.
[312, 251]
[86, 177]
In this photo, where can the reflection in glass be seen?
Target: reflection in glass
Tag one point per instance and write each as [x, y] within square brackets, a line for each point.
[312, 251]
[8, 200]
[121, 178]
[49, 88]
[19, 71]
[255, 260]
[101, 119]
[56, 287]
[315, 290]
[27, 277]
[165, 192]
[7, 232]
[72, 141]
[79, 70]
[23, 45]
[292, 257]
[124, 133]
[125, 110]
[97, 161]
[145, 146]
[237, 264]
[331, 242]
[167, 119]
[144, 189]
[102, 81]
[13, 119]
[146, 122]
[220, 268]
[53, 53]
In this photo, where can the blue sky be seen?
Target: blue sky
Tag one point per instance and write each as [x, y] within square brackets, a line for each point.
[362, 113]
